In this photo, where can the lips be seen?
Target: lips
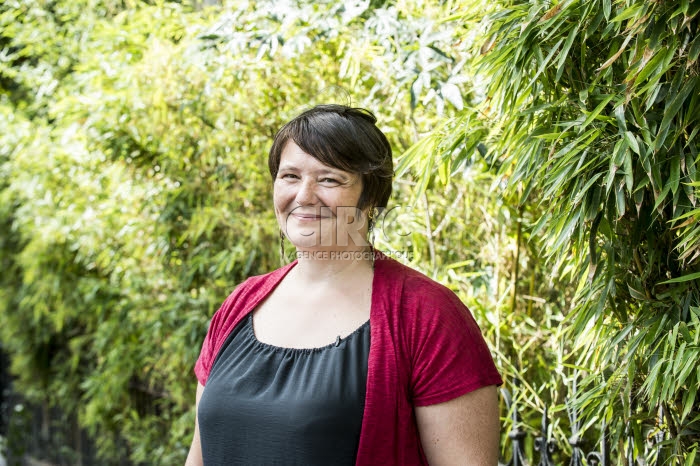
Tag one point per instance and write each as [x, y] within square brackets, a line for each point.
[307, 217]
[310, 215]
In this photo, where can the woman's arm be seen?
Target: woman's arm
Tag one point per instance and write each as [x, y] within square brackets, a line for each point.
[462, 431]
[194, 458]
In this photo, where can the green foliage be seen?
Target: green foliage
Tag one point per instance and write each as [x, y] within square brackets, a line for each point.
[134, 192]
[592, 109]
[547, 174]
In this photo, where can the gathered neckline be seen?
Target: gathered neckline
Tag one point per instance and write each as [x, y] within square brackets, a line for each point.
[250, 331]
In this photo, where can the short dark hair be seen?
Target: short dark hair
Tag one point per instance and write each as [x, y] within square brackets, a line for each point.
[345, 138]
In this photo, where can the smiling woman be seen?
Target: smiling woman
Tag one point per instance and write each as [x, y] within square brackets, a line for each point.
[338, 166]
[309, 199]
[344, 356]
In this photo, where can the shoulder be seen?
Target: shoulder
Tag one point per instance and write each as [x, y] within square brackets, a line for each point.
[445, 353]
[425, 312]
[412, 288]
[253, 290]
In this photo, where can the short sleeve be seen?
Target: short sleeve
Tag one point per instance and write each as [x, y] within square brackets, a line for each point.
[449, 356]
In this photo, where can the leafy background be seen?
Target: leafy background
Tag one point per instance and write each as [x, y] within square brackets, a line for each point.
[546, 162]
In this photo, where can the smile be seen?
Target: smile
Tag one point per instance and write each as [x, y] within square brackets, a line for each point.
[307, 217]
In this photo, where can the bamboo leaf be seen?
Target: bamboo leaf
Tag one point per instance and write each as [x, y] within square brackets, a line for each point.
[632, 142]
[675, 175]
[689, 364]
[636, 294]
[564, 54]
[662, 196]
[599, 108]
[694, 50]
[610, 177]
[620, 117]
[413, 155]
[584, 190]
[672, 109]
[619, 151]
[545, 62]
[682, 279]
[629, 172]
[651, 66]
[620, 200]
[627, 13]
[617, 54]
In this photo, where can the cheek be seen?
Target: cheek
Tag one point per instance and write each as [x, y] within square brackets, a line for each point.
[283, 203]
[279, 196]
[278, 208]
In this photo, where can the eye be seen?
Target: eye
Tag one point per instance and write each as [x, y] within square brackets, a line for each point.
[329, 180]
[288, 176]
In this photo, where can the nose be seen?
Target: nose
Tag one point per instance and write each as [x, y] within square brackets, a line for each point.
[306, 194]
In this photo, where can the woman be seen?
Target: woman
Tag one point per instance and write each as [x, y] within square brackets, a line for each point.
[344, 356]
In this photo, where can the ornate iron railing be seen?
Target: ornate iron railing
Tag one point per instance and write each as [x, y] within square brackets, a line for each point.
[546, 447]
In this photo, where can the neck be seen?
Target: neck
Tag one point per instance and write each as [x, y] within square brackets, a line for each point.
[326, 266]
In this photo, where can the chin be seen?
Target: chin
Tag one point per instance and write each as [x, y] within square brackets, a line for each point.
[304, 238]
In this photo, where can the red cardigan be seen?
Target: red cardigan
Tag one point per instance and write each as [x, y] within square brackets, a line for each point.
[425, 348]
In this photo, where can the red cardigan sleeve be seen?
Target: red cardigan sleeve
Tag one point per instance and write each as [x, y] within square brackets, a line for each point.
[448, 354]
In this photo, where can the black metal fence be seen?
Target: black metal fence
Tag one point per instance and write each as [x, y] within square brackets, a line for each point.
[577, 452]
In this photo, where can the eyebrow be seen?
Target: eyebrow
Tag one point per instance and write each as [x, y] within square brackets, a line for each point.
[323, 171]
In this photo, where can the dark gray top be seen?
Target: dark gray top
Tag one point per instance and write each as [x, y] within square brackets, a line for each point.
[267, 405]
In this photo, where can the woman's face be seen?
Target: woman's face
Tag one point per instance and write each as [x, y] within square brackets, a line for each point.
[316, 205]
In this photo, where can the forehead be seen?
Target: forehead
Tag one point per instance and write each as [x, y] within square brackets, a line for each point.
[293, 156]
